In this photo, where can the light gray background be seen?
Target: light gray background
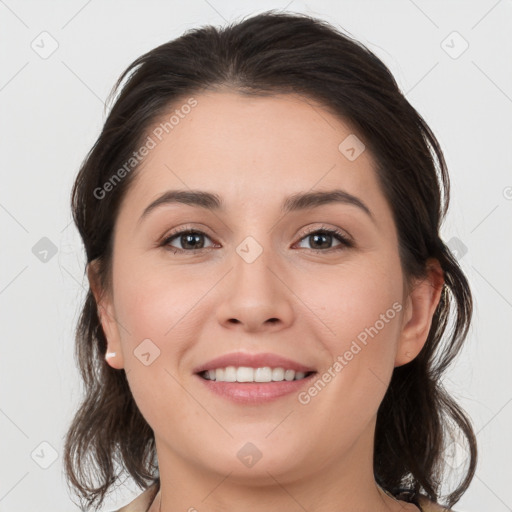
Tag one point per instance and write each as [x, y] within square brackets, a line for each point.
[52, 110]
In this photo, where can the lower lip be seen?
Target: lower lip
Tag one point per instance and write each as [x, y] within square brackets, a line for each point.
[255, 392]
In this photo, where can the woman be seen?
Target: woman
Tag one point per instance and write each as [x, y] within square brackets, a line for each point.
[266, 326]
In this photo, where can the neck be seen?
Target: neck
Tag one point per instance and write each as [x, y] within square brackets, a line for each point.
[343, 484]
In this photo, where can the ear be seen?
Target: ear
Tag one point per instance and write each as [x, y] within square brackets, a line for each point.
[109, 324]
[421, 304]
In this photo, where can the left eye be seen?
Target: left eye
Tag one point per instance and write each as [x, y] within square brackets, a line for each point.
[194, 240]
[327, 234]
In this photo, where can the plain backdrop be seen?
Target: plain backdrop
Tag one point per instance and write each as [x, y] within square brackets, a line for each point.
[59, 61]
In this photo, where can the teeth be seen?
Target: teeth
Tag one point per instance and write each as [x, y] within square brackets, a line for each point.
[230, 374]
[263, 374]
[278, 374]
[288, 375]
[246, 374]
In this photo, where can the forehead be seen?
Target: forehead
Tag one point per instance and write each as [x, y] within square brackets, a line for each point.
[252, 147]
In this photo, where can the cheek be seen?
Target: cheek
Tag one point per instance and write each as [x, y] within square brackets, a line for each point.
[158, 309]
[355, 303]
[154, 301]
[360, 314]
[156, 305]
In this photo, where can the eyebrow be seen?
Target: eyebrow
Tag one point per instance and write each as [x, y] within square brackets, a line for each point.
[295, 202]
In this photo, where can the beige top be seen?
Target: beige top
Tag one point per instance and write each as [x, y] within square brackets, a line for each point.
[144, 501]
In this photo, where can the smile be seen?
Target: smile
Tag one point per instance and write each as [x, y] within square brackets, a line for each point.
[253, 386]
[248, 374]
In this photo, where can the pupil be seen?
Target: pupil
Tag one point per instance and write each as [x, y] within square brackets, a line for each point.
[316, 237]
[190, 237]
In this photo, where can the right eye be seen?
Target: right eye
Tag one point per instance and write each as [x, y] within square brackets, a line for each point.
[186, 238]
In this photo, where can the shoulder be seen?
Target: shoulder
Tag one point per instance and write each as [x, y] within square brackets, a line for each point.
[429, 506]
[142, 502]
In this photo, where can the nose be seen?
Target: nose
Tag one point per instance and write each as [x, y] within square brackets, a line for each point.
[255, 295]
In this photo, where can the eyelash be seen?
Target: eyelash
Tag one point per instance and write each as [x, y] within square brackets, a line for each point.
[339, 235]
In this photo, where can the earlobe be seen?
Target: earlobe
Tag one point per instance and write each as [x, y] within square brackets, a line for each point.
[113, 355]
[114, 359]
[421, 306]
[105, 313]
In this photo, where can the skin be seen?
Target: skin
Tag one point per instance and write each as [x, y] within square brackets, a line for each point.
[254, 152]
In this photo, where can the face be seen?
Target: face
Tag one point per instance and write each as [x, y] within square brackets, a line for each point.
[252, 278]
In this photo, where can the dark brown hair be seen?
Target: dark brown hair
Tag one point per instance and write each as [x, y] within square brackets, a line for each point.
[274, 53]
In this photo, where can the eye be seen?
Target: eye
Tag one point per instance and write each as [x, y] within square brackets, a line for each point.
[320, 238]
[190, 241]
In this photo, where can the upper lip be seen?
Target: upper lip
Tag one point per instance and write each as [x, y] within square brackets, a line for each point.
[253, 361]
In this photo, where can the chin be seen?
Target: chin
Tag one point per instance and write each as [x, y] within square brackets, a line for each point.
[255, 462]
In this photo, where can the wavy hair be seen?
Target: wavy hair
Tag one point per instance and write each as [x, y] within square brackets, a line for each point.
[266, 54]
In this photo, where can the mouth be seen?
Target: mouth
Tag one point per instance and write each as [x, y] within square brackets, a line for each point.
[246, 374]
[244, 385]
